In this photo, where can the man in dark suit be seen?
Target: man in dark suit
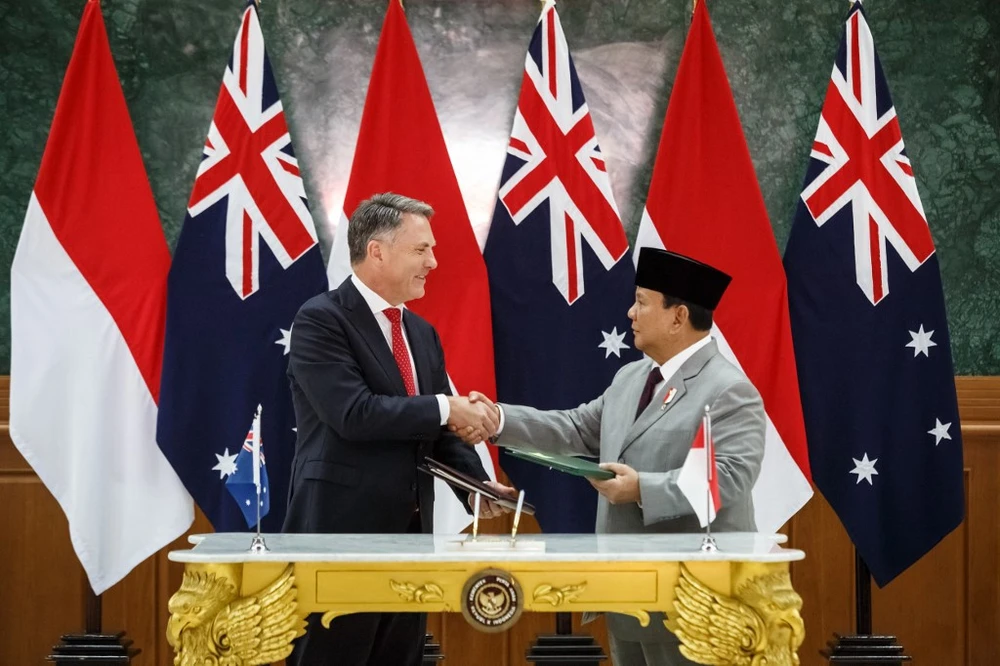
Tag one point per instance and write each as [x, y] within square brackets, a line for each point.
[371, 400]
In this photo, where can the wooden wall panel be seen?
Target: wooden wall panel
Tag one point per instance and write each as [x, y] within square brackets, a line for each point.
[41, 579]
[825, 579]
[945, 609]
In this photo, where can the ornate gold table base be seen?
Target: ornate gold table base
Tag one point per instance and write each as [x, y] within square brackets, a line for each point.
[723, 612]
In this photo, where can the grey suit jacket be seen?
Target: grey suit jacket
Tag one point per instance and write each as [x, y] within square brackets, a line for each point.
[656, 445]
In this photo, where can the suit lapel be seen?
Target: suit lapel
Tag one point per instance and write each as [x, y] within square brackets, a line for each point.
[362, 318]
[658, 407]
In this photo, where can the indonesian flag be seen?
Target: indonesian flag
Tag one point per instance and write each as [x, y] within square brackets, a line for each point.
[699, 476]
[88, 301]
[401, 149]
[704, 202]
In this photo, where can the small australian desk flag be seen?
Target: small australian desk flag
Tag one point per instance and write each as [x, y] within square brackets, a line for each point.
[249, 473]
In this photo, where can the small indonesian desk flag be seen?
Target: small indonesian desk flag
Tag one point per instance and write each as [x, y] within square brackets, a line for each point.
[698, 479]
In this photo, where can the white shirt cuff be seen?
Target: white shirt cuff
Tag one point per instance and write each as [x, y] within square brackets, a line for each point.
[502, 419]
[443, 408]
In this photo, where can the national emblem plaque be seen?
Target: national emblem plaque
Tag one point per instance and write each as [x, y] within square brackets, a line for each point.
[492, 600]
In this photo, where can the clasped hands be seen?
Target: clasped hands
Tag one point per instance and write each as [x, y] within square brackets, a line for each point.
[473, 418]
[478, 418]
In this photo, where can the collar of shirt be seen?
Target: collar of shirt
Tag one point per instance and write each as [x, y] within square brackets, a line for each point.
[375, 302]
[674, 363]
[378, 305]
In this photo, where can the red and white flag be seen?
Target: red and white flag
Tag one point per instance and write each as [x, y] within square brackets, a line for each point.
[401, 149]
[704, 202]
[699, 476]
[88, 305]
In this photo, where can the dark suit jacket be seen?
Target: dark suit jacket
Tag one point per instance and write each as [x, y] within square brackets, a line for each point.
[360, 436]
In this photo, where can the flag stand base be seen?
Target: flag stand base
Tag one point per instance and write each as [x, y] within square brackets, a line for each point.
[564, 647]
[94, 649]
[864, 649]
[432, 651]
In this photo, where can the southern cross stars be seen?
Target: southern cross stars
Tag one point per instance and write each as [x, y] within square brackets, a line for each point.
[226, 464]
[921, 342]
[940, 431]
[286, 339]
[613, 343]
[865, 469]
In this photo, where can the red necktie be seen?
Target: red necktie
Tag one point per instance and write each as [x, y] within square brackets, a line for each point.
[394, 315]
[654, 378]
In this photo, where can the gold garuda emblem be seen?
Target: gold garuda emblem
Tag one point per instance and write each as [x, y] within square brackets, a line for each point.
[759, 626]
[492, 600]
[211, 625]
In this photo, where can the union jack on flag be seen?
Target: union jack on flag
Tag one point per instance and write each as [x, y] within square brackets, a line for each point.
[560, 162]
[248, 161]
[869, 326]
[246, 259]
[560, 278]
[860, 143]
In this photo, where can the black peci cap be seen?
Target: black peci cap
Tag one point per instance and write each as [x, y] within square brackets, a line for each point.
[681, 277]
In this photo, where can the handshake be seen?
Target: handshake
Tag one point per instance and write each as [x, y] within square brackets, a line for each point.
[473, 418]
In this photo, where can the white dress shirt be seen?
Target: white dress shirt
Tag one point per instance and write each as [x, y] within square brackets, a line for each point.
[674, 363]
[377, 305]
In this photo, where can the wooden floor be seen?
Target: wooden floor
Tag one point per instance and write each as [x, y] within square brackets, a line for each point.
[945, 610]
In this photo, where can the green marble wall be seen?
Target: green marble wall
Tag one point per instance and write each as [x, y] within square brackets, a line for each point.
[941, 58]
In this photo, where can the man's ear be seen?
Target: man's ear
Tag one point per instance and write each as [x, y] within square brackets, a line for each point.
[681, 316]
[374, 250]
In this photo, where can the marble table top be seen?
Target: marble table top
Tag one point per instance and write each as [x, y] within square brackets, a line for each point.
[732, 546]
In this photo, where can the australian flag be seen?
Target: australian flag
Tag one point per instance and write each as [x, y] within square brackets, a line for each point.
[561, 280]
[869, 326]
[246, 259]
[241, 482]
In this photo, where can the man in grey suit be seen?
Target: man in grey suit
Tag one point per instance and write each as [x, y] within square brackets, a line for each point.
[643, 425]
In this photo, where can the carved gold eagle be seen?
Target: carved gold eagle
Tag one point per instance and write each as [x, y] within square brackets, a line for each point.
[761, 626]
[211, 626]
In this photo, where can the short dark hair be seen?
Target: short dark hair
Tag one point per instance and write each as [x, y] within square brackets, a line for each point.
[700, 317]
[377, 217]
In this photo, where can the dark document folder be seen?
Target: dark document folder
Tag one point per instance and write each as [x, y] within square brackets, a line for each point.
[453, 477]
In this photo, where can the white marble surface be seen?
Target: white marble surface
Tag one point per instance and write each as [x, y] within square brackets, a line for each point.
[232, 547]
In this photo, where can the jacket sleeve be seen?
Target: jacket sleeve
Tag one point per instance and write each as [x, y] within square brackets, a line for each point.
[326, 368]
[738, 426]
[565, 432]
[448, 448]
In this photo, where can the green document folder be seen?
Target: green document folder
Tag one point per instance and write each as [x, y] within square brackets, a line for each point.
[567, 464]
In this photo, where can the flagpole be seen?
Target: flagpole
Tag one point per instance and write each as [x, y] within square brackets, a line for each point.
[864, 647]
[708, 544]
[91, 609]
[257, 544]
[862, 596]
